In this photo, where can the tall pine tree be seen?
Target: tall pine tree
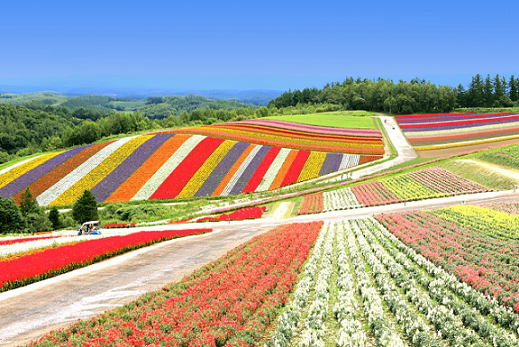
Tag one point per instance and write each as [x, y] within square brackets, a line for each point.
[85, 208]
[513, 88]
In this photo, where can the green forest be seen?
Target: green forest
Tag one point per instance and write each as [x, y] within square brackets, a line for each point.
[48, 121]
[416, 96]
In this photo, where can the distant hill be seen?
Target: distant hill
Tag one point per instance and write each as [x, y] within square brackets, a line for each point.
[91, 98]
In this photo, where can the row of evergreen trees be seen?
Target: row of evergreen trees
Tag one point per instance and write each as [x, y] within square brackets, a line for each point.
[492, 92]
[406, 97]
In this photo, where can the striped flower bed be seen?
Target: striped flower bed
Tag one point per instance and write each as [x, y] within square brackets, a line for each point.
[437, 131]
[168, 166]
[418, 185]
[297, 136]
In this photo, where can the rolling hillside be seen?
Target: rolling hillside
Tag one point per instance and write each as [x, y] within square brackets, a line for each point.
[221, 160]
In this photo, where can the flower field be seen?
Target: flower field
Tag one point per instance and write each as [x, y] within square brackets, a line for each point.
[403, 300]
[436, 131]
[278, 290]
[478, 245]
[257, 279]
[312, 203]
[36, 266]
[297, 136]
[418, 185]
[170, 165]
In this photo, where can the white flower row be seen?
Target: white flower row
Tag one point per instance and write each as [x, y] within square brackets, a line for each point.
[349, 160]
[227, 190]
[68, 181]
[414, 326]
[289, 319]
[447, 289]
[314, 328]
[443, 313]
[351, 332]
[273, 170]
[167, 168]
[339, 199]
[384, 333]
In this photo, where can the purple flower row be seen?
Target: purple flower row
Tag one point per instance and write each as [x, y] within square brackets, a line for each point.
[121, 173]
[249, 170]
[331, 163]
[221, 170]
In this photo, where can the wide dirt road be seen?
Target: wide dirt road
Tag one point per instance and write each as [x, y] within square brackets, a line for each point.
[28, 313]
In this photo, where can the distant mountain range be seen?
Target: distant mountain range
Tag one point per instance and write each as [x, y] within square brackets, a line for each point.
[255, 97]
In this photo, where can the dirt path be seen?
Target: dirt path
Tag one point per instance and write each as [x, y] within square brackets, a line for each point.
[404, 149]
[514, 174]
[283, 211]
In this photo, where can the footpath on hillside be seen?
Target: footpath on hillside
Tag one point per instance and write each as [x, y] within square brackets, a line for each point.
[404, 149]
[514, 174]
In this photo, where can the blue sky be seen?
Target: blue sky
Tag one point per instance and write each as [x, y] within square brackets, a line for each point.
[253, 44]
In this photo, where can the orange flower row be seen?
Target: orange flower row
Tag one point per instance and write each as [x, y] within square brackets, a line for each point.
[131, 186]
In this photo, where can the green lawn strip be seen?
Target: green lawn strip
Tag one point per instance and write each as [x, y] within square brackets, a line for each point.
[415, 161]
[340, 119]
[298, 204]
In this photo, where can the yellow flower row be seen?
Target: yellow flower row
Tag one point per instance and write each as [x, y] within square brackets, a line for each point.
[466, 143]
[312, 166]
[205, 170]
[96, 175]
[489, 221]
[406, 188]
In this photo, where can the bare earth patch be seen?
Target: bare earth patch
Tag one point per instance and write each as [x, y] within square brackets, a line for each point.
[499, 169]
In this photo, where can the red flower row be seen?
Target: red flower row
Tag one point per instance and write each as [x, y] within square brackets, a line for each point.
[241, 214]
[54, 261]
[312, 203]
[230, 302]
